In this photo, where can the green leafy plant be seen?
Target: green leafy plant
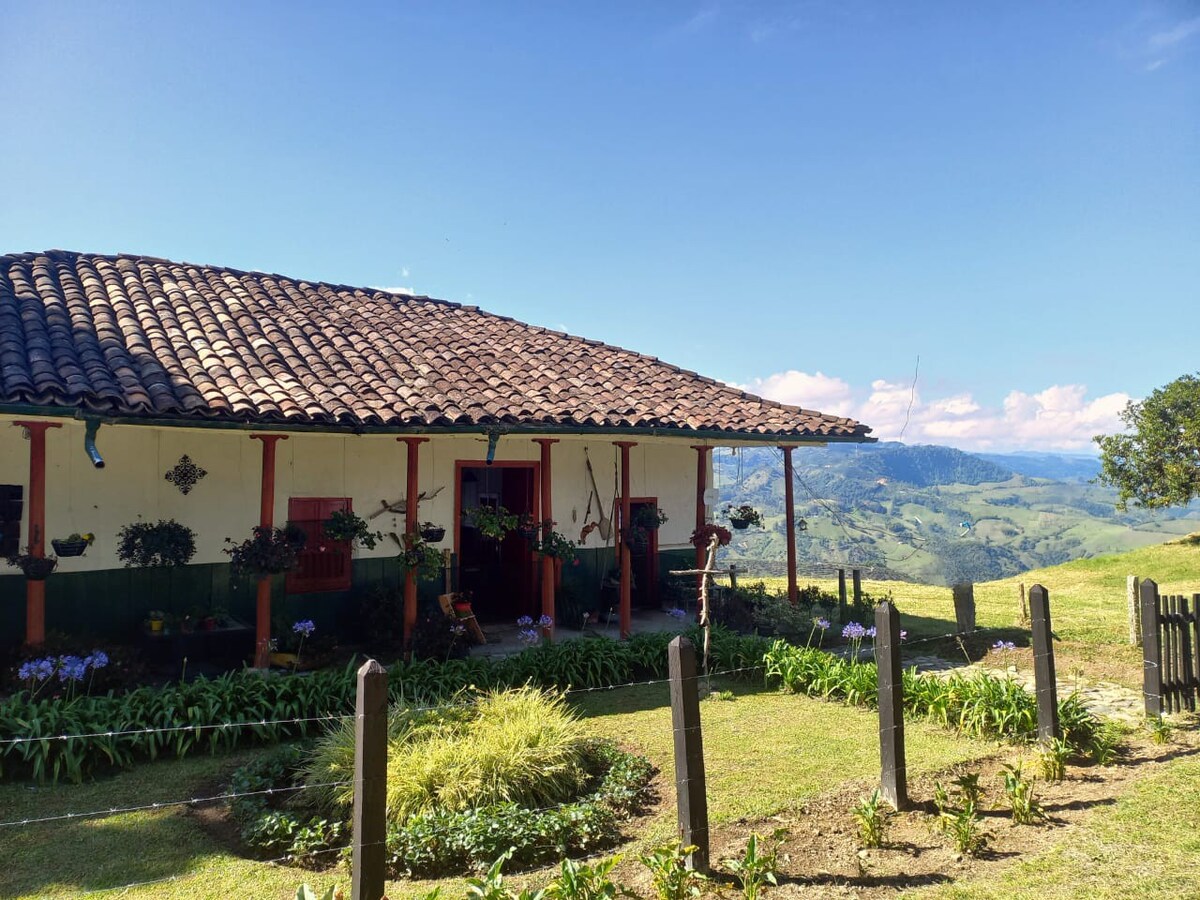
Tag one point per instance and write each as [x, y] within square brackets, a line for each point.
[490, 885]
[648, 516]
[162, 543]
[1160, 730]
[347, 526]
[268, 551]
[492, 521]
[965, 829]
[669, 872]
[744, 516]
[969, 788]
[551, 543]
[35, 567]
[1105, 747]
[871, 817]
[757, 865]
[304, 892]
[421, 557]
[1019, 790]
[583, 881]
[1052, 759]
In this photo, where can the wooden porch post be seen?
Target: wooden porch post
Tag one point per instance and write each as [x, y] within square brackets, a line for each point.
[266, 518]
[548, 570]
[702, 457]
[626, 562]
[410, 527]
[789, 505]
[35, 591]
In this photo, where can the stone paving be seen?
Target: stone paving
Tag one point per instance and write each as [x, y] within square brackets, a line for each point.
[1104, 698]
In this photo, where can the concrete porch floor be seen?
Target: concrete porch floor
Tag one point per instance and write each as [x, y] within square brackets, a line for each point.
[504, 637]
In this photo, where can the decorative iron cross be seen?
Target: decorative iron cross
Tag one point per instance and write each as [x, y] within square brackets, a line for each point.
[185, 474]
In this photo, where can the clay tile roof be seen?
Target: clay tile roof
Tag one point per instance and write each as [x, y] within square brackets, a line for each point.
[144, 337]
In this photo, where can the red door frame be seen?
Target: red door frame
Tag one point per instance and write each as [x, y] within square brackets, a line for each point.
[535, 503]
[651, 546]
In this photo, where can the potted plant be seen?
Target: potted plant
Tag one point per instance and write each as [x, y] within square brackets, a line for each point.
[72, 545]
[527, 527]
[162, 543]
[348, 527]
[156, 618]
[36, 568]
[295, 535]
[266, 552]
[648, 517]
[703, 535]
[418, 556]
[554, 545]
[431, 533]
[742, 517]
[492, 521]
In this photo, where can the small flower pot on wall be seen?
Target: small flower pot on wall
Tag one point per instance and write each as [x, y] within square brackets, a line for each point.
[432, 535]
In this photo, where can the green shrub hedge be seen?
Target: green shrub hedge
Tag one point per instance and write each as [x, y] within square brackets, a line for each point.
[120, 730]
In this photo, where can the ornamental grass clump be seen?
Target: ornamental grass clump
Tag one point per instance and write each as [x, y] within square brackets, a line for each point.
[521, 746]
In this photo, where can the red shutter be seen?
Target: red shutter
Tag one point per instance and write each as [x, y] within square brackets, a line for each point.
[324, 565]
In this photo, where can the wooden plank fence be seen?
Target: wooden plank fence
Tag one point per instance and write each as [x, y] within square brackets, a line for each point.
[1170, 650]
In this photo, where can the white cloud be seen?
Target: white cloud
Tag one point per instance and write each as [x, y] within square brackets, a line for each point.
[394, 289]
[404, 271]
[1183, 31]
[1060, 417]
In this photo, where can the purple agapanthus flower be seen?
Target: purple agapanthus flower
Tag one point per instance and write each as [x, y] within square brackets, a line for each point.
[903, 634]
[304, 627]
[97, 660]
[1004, 646]
[525, 622]
[458, 629]
[821, 622]
[545, 622]
[677, 613]
[529, 636]
[871, 632]
[853, 632]
[71, 668]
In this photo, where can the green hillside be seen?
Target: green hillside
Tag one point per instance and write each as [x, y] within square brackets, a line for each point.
[930, 514]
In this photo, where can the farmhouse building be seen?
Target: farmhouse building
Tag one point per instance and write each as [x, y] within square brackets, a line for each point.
[138, 389]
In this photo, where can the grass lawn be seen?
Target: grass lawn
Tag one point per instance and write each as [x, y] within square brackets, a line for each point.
[763, 751]
[1146, 845]
[1087, 604]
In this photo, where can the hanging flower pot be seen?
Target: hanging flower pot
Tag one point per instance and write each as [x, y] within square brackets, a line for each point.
[527, 528]
[742, 517]
[432, 534]
[75, 545]
[648, 517]
[38, 568]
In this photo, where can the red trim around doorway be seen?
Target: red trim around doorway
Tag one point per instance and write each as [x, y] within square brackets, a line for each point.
[652, 545]
[460, 464]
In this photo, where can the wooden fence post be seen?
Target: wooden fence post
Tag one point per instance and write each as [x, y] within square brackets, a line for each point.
[1151, 649]
[368, 866]
[1045, 685]
[842, 594]
[892, 766]
[733, 574]
[856, 576]
[1133, 604]
[691, 798]
[1024, 605]
[964, 607]
[1187, 670]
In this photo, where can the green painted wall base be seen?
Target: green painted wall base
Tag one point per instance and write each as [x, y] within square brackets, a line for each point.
[111, 604]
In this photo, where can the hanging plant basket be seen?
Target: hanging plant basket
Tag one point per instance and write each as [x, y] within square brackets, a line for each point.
[38, 568]
[740, 524]
[72, 546]
[648, 518]
[742, 517]
[432, 534]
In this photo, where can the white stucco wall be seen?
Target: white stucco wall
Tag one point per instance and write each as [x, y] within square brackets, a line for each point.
[368, 469]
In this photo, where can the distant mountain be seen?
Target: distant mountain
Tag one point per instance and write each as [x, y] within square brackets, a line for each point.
[933, 513]
[1056, 466]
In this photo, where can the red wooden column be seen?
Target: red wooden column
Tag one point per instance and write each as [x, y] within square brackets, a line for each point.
[702, 457]
[548, 568]
[266, 518]
[410, 527]
[789, 505]
[626, 560]
[35, 591]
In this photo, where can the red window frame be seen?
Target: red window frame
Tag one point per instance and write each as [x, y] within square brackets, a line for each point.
[323, 565]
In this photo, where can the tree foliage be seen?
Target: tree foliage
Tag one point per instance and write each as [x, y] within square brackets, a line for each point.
[1157, 463]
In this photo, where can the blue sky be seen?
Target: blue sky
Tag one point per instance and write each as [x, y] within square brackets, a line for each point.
[798, 197]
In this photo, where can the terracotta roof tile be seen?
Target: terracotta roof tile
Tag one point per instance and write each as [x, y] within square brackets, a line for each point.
[141, 336]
